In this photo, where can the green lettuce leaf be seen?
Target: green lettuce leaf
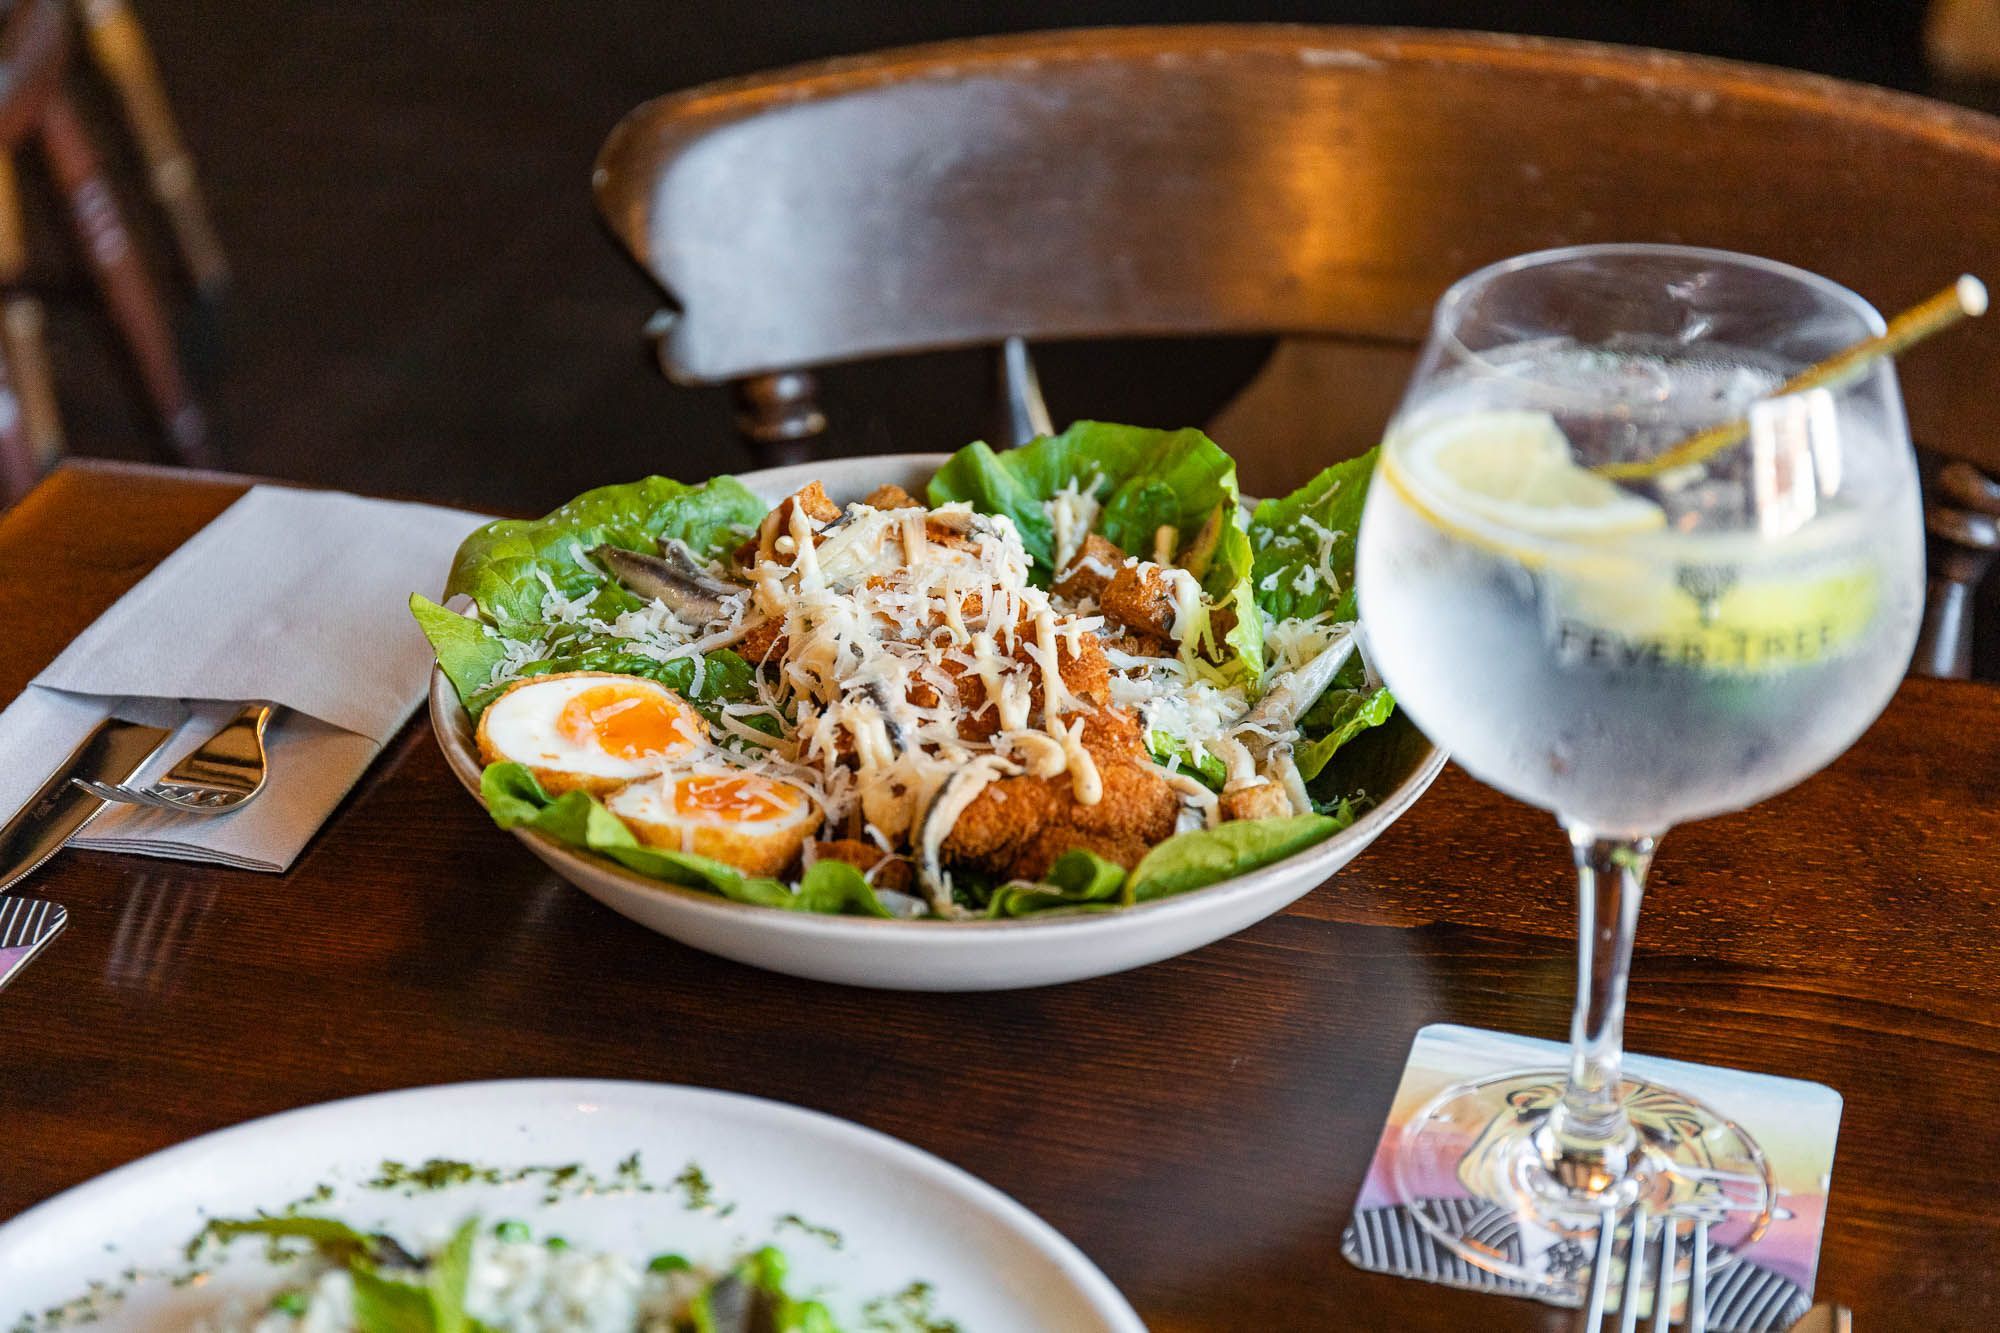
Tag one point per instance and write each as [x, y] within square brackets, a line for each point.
[516, 800]
[836, 888]
[447, 1278]
[1142, 479]
[1336, 718]
[1343, 810]
[433, 1302]
[385, 1305]
[1080, 880]
[1165, 747]
[725, 677]
[1208, 856]
[502, 565]
[768, 1268]
[508, 567]
[1285, 572]
[465, 651]
[339, 1242]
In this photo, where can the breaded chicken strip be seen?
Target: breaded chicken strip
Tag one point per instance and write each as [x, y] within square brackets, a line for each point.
[1017, 827]
[1085, 674]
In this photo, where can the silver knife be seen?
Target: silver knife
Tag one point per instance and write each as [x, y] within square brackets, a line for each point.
[111, 753]
[26, 924]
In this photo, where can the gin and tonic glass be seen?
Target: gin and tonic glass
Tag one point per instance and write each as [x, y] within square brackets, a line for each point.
[1631, 641]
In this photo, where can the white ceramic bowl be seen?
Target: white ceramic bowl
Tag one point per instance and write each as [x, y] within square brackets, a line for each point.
[892, 1213]
[1393, 763]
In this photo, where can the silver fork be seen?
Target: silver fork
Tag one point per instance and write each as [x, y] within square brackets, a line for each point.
[223, 774]
[1636, 1272]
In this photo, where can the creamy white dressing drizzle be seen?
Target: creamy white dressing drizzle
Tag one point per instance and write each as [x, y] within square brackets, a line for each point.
[1072, 514]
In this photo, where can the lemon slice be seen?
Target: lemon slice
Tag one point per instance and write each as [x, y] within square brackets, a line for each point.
[1513, 469]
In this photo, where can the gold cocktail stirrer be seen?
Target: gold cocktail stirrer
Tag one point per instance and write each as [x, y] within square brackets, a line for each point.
[1965, 297]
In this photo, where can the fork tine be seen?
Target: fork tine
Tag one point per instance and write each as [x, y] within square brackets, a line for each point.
[1635, 1271]
[150, 799]
[105, 791]
[1697, 1312]
[166, 796]
[1600, 1269]
[1663, 1290]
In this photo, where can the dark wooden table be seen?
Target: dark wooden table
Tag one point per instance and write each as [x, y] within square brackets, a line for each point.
[1199, 1127]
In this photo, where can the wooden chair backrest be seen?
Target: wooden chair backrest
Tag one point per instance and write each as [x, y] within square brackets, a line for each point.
[1327, 181]
[34, 49]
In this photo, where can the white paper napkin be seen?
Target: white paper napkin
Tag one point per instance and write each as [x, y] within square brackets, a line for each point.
[298, 597]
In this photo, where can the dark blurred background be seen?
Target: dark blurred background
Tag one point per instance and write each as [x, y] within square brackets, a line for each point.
[425, 303]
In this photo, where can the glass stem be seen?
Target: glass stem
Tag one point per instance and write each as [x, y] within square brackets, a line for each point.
[1588, 1140]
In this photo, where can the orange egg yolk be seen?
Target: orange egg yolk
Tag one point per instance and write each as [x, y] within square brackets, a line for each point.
[628, 721]
[735, 799]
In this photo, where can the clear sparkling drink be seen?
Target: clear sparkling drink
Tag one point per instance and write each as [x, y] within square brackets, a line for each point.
[1633, 656]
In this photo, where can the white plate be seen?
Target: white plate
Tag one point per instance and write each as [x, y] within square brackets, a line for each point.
[1393, 763]
[902, 1216]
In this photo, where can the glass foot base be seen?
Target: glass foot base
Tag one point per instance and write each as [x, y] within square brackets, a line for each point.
[1479, 1137]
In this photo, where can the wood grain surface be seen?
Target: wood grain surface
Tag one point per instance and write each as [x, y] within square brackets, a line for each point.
[1199, 1127]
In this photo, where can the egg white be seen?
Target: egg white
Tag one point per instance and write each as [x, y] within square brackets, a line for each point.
[522, 726]
[761, 844]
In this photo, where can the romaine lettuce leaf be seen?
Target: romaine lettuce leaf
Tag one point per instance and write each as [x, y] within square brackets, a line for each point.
[1166, 747]
[516, 800]
[1142, 479]
[1304, 567]
[465, 651]
[502, 565]
[1080, 880]
[385, 1305]
[1337, 718]
[1208, 856]
[509, 567]
[1287, 570]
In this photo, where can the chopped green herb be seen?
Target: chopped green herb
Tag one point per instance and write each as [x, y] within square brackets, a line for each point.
[828, 1235]
[911, 1310]
[695, 1187]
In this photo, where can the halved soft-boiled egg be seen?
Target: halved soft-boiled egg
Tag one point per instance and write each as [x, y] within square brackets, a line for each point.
[589, 730]
[748, 820]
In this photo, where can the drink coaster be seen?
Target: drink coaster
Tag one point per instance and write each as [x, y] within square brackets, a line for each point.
[26, 924]
[1762, 1283]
